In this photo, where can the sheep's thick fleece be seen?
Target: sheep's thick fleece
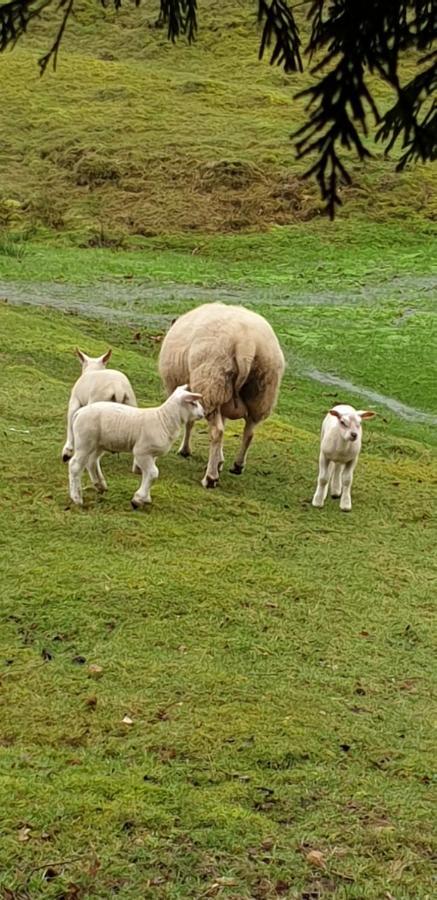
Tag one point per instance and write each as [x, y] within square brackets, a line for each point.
[231, 356]
[227, 354]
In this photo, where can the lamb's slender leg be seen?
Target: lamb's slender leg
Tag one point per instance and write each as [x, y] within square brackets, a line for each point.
[77, 464]
[216, 432]
[336, 481]
[96, 474]
[68, 448]
[325, 469]
[348, 475]
[149, 473]
[240, 459]
[185, 448]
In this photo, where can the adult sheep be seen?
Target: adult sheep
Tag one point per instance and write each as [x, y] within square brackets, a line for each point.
[231, 356]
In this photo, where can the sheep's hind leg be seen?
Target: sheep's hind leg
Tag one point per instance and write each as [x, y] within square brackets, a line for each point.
[75, 468]
[185, 448]
[325, 469]
[240, 460]
[215, 461]
[96, 474]
[149, 473]
[335, 484]
[68, 448]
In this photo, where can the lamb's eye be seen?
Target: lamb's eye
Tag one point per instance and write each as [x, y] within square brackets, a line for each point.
[343, 423]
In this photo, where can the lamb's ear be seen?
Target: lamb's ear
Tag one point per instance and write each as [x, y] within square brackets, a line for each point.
[334, 412]
[82, 356]
[366, 414]
[105, 357]
[192, 398]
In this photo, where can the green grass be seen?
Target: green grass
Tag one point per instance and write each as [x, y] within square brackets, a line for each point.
[133, 136]
[276, 660]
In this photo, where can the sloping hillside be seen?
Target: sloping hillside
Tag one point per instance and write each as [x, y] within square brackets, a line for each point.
[135, 136]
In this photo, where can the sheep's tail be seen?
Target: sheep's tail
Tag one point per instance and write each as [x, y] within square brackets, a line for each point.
[242, 366]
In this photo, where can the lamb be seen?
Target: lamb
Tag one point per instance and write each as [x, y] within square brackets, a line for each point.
[339, 451]
[95, 383]
[232, 357]
[148, 433]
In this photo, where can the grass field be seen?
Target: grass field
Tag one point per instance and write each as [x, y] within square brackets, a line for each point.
[259, 724]
[276, 661]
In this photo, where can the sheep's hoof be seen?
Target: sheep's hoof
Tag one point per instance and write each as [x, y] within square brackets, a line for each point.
[317, 503]
[66, 455]
[209, 482]
[346, 508]
[135, 505]
[184, 453]
[236, 469]
[335, 496]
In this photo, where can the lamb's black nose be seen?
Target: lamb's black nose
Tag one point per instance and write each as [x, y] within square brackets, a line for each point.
[353, 435]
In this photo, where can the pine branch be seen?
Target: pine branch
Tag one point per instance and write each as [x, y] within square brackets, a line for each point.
[52, 54]
[281, 29]
[180, 16]
[15, 17]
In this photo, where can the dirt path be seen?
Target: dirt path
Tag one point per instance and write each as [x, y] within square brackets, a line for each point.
[121, 301]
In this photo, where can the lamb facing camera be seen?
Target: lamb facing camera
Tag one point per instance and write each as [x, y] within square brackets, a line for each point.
[339, 451]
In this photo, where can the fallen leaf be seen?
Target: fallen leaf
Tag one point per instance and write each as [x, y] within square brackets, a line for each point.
[223, 881]
[23, 834]
[397, 867]
[95, 671]
[91, 702]
[267, 844]
[316, 858]
[127, 721]
[50, 873]
[94, 866]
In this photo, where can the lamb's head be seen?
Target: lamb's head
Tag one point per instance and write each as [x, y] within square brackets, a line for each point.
[190, 404]
[349, 421]
[93, 362]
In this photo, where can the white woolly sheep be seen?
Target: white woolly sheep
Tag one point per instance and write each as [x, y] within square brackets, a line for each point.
[148, 433]
[95, 383]
[339, 451]
[232, 357]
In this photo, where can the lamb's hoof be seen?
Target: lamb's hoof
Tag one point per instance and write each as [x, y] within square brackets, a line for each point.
[135, 505]
[335, 496]
[346, 508]
[66, 455]
[101, 488]
[184, 453]
[209, 482]
[236, 469]
[317, 504]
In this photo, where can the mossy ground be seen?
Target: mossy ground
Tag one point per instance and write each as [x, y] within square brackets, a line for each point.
[275, 660]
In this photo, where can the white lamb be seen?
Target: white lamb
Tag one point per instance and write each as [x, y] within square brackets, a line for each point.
[96, 383]
[339, 451]
[146, 432]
